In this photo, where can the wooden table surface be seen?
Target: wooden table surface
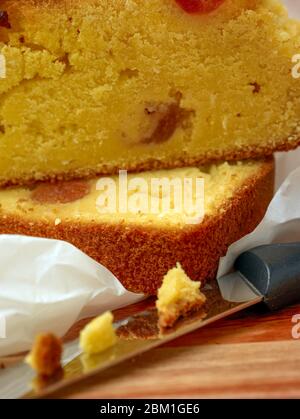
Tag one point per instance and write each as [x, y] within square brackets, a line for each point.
[252, 354]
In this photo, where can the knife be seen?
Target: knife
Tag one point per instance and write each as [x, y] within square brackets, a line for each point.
[268, 274]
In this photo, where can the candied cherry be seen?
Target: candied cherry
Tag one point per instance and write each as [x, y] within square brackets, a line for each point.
[199, 6]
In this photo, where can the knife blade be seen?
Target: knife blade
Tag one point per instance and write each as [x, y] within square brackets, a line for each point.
[269, 274]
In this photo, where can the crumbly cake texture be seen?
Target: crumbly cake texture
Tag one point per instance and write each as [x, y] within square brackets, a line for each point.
[178, 297]
[45, 356]
[98, 85]
[98, 335]
[140, 248]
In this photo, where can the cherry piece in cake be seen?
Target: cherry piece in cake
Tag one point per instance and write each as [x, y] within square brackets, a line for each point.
[199, 6]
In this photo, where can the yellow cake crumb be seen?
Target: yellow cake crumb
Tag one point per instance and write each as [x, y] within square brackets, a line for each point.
[177, 296]
[98, 335]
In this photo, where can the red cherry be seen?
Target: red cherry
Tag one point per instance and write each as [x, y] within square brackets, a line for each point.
[199, 6]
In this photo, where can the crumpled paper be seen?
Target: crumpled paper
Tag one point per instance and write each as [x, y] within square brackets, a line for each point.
[48, 285]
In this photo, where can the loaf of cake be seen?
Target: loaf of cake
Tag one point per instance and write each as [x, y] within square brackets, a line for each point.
[140, 246]
[93, 86]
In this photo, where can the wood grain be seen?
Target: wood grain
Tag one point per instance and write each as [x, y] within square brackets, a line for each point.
[252, 354]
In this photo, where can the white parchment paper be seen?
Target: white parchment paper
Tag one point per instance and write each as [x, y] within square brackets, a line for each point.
[281, 223]
[46, 285]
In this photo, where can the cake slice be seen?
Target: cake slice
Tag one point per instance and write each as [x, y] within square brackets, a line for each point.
[93, 86]
[139, 246]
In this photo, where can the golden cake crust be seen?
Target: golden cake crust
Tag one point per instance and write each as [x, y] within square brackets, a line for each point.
[140, 256]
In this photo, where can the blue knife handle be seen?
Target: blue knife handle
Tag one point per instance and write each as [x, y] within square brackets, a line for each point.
[274, 271]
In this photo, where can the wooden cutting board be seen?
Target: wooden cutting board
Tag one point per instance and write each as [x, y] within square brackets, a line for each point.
[252, 354]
